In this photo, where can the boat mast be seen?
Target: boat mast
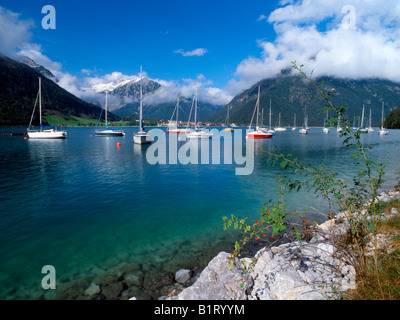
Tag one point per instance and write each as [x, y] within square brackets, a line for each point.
[370, 118]
[262, 117]
[258, 106]
[40, 102]
[228, 122]
[362, 118]
[141, 102]
[106, 108]
[177, 111]
[327, 117]
[270, 113]
[195, 112]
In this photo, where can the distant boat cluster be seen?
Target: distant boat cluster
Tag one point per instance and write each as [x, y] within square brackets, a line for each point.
[143, 137]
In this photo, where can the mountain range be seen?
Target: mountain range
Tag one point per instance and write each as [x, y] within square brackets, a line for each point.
[290, 95]
[128, 91]
[128, 94]
[18, 92]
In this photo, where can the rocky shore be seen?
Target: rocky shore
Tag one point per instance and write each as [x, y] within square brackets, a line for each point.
[314, 270]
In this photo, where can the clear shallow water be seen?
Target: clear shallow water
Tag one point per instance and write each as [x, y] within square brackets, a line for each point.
[84, 203]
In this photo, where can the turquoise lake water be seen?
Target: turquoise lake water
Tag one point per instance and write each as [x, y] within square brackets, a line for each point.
[83, 202]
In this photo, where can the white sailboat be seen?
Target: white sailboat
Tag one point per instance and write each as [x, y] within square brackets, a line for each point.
[176, 129]
[279, 128]
[198, 133]
[305, 128]
[258, 133]
[141, 137]
[109, 132]
[270, 130]
[362, 129]
[339, 129]
[228, 128]
[294, 124]
[382, 131]
[370, 129]
[354, 128]
[326, 129]
[43, 132]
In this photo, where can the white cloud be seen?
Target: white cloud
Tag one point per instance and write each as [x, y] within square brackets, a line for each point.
[311, 32]
[186, 87]
[262, 17]
[87, 71]
[196, 52]
[14, 32]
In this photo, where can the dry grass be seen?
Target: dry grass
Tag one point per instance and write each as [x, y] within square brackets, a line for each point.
[387, 287]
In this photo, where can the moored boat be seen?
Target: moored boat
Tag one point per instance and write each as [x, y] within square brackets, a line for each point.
[258, 133]
[44, 132]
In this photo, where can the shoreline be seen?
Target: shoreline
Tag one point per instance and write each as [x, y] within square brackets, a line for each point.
[299, 270]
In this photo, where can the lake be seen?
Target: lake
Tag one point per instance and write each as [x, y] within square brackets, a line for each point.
[85, 205]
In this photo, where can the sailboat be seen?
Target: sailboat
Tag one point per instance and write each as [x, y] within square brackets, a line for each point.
[258, 133]
[305, 129]
[43, 132]
[109, 132]
[198, 133]
[228, 128]
[370, 129]
[362, 129]
[141, 137]
[176, 130]
[354, 125]
[339, 129]
[326, 129]
[294, 124]
[270, 130]
[383, 132]
[279, 128]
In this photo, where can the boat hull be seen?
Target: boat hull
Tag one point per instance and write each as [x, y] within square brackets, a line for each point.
[303, 131]
[228, 130]
[109, 133]
[178, 131]
[383, 132]
[259, 135]
[52, 134]
[142, 138]
[199, 135]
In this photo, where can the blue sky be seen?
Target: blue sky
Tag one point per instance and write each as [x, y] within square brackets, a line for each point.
[120, 35]
[221, 47]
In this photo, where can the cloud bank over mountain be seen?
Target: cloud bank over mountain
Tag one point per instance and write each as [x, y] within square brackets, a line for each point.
[331, 38]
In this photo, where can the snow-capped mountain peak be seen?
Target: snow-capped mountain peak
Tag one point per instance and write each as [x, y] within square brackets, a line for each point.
[111, 86]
